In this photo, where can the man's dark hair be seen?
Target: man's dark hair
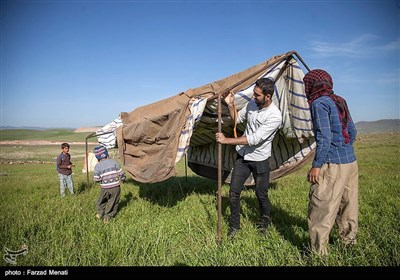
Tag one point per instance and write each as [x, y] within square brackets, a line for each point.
[266, 85]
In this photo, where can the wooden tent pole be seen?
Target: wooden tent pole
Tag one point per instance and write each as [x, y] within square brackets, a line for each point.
[219, 199]
[186, 165]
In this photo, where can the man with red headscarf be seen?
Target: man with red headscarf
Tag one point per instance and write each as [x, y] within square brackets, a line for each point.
[334, 172]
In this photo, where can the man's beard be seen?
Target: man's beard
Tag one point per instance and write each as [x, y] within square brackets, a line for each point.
[260, 103]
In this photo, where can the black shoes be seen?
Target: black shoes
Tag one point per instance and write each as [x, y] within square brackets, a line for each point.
[262, 229]
[232, 232]
[263, 225]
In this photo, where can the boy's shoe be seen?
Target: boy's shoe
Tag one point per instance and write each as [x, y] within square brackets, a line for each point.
[232, 232]
[98, 216]
[263, 230]
[106, 220]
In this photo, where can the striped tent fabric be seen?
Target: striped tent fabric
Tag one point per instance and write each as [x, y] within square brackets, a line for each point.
[196, 106]
[107, 135]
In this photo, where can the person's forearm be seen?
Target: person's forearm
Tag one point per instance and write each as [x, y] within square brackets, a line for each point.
[236, 141]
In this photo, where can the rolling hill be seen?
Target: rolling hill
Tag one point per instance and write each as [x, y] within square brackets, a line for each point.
[381, 126]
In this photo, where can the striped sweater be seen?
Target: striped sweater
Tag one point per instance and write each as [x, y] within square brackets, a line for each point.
[108, 173]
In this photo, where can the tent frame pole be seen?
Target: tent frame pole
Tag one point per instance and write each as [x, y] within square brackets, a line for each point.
[219, 199]
[87, 156]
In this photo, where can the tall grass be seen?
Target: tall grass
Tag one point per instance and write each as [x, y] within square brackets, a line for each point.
[174, 223]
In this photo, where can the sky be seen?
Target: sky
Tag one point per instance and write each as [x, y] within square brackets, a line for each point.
[72, 64]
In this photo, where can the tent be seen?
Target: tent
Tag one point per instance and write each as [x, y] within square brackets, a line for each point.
[153, 138]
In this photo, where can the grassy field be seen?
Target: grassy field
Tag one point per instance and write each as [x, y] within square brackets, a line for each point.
[174, 223]
[15, 154]
[64, 135]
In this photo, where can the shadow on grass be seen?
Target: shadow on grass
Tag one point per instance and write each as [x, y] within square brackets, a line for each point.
[286, 225]
[125, 201]
[175, 189]
[82, 186]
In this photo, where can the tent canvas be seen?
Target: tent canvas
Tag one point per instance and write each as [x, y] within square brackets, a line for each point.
[153, 138]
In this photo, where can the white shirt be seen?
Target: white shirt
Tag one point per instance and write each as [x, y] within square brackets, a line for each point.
[260, 130]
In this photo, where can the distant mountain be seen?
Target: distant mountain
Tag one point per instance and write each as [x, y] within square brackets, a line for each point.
[381, 126]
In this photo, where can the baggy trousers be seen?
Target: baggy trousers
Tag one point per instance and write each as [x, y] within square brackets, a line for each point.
[241, 171]
[335, 198]
[107, 203]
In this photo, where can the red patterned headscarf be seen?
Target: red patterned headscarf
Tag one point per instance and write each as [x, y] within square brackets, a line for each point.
[319, 83]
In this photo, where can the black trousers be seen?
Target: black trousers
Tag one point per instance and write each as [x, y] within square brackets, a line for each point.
[241, 171]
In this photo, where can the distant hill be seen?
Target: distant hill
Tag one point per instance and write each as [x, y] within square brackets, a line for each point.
[381, 126]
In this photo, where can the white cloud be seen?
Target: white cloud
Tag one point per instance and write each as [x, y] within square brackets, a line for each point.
[390, 78]
[358, 76]
[391, 46]
[361, 46]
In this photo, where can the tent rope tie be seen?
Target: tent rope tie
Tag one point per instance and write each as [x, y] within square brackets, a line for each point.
[234, 116]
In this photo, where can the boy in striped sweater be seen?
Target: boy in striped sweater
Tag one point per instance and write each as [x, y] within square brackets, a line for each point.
[108, 172]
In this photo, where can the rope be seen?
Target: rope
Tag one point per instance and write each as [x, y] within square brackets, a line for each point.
[234, 117]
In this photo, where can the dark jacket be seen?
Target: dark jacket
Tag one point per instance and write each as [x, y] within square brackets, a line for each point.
[63, 160]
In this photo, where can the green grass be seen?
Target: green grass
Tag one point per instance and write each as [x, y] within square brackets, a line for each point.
[64, 135]
[174, 223]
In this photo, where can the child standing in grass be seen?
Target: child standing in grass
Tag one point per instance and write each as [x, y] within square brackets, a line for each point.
[108, 173]
[64, 168]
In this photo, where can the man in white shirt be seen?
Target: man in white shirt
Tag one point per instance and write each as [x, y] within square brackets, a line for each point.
[253, 151]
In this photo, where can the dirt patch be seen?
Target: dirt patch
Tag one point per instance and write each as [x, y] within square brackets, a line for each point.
[87, 129]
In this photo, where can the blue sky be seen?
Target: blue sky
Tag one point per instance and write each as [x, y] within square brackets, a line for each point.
[80, 63]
